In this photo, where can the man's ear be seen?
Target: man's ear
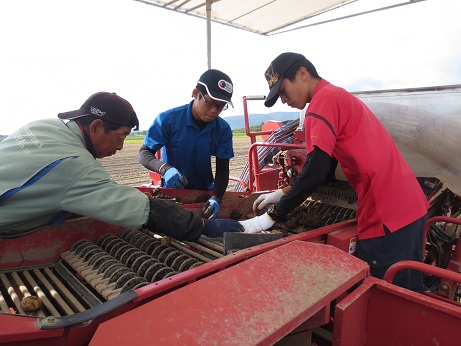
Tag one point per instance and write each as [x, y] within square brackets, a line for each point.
[96, 126]
[195, 93]
[303, 73]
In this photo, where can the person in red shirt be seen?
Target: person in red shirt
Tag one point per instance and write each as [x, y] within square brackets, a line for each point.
[391, 207]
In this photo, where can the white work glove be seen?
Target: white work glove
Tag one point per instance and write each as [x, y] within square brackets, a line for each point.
[257, 224]
[267, 199]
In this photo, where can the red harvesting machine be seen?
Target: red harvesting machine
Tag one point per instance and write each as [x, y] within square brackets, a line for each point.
[99, 284]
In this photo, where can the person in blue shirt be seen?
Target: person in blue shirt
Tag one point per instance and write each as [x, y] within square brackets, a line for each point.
[188, 136]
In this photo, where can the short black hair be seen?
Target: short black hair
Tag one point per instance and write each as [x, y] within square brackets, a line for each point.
[291, 72]
[88, 119]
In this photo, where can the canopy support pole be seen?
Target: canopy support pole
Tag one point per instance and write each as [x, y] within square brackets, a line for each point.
[208, 31]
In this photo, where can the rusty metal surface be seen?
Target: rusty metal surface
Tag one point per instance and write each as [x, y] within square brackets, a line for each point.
[256, 301]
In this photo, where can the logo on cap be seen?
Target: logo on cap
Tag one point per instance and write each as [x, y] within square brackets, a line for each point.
[97, 112]
[271, 76]
[225, 85]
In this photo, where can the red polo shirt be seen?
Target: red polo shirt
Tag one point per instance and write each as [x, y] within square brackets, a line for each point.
[343, 126]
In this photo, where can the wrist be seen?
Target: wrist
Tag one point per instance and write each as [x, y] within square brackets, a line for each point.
[285, 189]
[272, 214]
[216, 198]
[266, 221]
[163, 168]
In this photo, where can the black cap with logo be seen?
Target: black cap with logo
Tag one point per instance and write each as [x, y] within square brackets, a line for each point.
[107, 106]
[218, 85]
[276, 72]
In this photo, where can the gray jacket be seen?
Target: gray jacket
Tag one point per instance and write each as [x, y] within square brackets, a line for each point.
[46, 170]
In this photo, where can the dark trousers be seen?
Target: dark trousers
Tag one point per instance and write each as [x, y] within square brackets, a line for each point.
[404, 244]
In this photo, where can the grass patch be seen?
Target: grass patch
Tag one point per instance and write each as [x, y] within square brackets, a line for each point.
[134, 138]
[239, 135]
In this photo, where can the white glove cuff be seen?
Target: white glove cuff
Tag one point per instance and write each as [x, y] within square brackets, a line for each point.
[266, 221]
[257, 224]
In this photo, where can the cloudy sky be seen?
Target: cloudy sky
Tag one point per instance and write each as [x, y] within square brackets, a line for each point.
[56, 53]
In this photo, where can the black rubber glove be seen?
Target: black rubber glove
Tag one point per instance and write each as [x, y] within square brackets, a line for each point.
[168, 218]
[215, 228]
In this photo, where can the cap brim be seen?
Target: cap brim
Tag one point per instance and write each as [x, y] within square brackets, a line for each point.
[220, 97]
[271, 99]
[217, 96]
[71, 115]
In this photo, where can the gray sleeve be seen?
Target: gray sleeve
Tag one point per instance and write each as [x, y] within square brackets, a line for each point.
[95, 195]
[147, 158]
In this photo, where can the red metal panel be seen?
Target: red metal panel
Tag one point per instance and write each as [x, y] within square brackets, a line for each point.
[257, 301]
[344, 239]
[161, 287]
[271, 125]
[267, 178]
[395, 316]
[350, 319]
[23, 329]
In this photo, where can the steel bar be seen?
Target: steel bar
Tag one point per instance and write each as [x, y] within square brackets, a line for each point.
[12, 293]
[50, 307]
[71, 298]
[25, 292]
[22, 287]
[54, 293]
[204, 249]
[3, 305]
[190, 252]
[212, 245]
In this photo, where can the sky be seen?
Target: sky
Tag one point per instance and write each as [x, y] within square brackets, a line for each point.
[56, 53]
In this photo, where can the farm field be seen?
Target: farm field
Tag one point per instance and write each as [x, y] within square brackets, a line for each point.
[125, 169]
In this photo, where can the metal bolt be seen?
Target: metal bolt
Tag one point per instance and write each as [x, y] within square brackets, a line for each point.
[50, 319]
[444, 287]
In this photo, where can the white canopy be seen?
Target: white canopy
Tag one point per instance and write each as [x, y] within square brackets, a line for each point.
[258, 16]
[264, 17]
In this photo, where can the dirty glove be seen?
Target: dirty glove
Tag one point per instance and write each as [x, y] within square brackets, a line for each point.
[267, 199]
[257, 224]
[174, 178]
[215, 228]
[168, 218]
[211, 208]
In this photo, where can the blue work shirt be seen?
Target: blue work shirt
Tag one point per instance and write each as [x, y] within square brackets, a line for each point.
[189, 148]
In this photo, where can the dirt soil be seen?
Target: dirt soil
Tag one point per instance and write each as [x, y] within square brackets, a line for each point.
[125, 168]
